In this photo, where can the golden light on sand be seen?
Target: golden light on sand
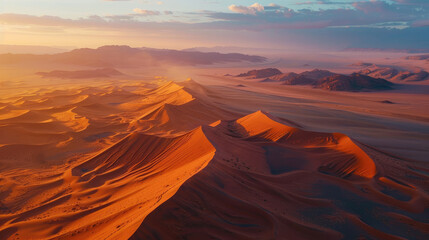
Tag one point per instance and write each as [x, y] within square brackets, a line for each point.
[133, 143]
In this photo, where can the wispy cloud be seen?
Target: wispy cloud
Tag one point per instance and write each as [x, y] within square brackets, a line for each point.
[255, 17]
[413, 2]
[145, 12]
[274, 22]
[252, 9]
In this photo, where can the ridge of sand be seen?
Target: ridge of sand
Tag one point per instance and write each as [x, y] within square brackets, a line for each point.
[178, 118]
[268, 187]
[107, 196]
[168, 163]
[261, 126]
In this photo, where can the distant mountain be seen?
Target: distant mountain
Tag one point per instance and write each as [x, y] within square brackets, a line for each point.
[394, 74]
[418, 57]
[353, 82]
[304, 78]
[96, 73]
[261, 73]
[324, 79]
[233, 49]
[125, 56]
[412, 76]
[299, 80]
[317, 74]
[361, 64]
[283, 77]
[380, 72]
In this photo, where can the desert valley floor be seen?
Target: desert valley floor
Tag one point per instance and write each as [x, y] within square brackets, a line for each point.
[212, 157]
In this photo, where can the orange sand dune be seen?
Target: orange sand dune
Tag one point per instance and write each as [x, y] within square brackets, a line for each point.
[259, 126]
[289, 183]
[133, 162]
[107, 196]
[70, 123]
[178, 118]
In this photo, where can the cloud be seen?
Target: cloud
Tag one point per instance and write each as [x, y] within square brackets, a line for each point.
[374, 13]
[146, 12]
[256, 17]
[372, 6]
[273, 6]
[275, 23]
[252, 9]
[412, 2]
[299, 32]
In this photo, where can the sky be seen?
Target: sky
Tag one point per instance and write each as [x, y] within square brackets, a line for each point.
[177, 24]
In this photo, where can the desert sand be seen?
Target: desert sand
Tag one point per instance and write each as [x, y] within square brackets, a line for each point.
[214, 120]
[215, 156]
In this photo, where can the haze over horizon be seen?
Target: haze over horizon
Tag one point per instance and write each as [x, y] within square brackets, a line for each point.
[287, 24]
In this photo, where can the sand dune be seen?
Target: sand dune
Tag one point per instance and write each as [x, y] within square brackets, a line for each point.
[95, 73]
[178, 118]
[108, 195]
[260, 189]
[168, 162]
[84, 189]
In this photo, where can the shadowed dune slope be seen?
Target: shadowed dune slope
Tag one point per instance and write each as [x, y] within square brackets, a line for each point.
[271, 181]
[85, 191]
[180, 111]
[107, 196]
[137, 162]
[178, 118]
[56, 126]
[260, 126]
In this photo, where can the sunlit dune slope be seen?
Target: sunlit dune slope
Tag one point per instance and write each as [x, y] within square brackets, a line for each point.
[107, 196]
[55, 126]
[271, 181]
[347, 158]
[180, 111]
[85, 191]
[96, 73]
[167, 162]
[173, 118]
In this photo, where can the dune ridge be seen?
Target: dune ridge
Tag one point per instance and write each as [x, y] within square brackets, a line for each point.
[166, 163]
[112, 185]
[107, 196]
[266, 178]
